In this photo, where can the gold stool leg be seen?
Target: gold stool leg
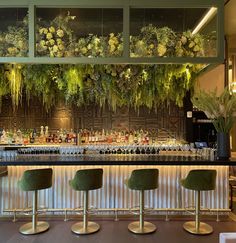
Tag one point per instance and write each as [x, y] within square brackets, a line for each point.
[34, 227]
[85, 227]
[141, 226]
[196, 227]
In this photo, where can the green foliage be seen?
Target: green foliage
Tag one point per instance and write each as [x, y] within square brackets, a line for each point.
[13, 75]
[14, 41]
[4, 86]
[218, 108]
[105, 85]
[41, 81]
[153, 41]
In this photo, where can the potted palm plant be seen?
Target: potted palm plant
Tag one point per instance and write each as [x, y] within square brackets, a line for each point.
[221, 110]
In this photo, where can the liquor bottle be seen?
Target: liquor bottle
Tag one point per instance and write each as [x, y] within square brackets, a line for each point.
[31, 137]
[74, 138]
[82, 137]
[68, 138]
[131, 138]
[78, 141]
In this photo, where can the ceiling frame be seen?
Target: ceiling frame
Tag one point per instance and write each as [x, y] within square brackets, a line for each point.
[125, 5]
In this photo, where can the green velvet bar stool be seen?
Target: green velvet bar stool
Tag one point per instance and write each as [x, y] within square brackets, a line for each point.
[34, 180]
[142, 180]
[86, 180]
[199, 180]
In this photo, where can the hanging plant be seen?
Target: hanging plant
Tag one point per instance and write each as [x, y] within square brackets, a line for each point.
[73, 77]
[41, 81]
[14, 76]
[106, 85]
[4, 86]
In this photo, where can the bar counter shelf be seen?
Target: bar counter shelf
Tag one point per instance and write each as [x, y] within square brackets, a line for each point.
[110, 155]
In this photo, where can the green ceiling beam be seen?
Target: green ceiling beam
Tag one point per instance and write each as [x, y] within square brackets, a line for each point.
[108, 60]
[31, 30]
[103, 3]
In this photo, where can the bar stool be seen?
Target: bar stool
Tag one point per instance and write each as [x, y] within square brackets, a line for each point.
[142, 180]
[34, 180]
[199, 180]
[86, 180]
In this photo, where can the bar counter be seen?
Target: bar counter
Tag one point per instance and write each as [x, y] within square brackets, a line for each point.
[109, 159]
[116, 167]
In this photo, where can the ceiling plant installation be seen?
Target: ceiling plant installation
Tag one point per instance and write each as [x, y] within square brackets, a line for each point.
[105, 85]
[58, 38]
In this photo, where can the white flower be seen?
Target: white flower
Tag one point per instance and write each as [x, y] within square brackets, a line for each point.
[52, 42]
[183, 40]
[60, 33]
[20, 44]
[42, 43]
[41, 31]
[55, 48]
[45, 31]
[49, 36]
[61, 47]
[51, 54]
[52, 29]
[161, 50]
[84, 50]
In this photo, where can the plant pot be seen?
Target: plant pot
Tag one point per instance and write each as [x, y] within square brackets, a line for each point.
[223, 145]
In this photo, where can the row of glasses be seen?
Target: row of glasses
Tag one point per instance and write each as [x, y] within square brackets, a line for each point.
[71, 151]
[8, 154]
[41, 150]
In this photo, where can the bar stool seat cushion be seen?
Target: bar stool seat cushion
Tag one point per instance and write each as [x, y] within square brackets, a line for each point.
[143, 179]
[200, 180]
[36, 179]
[88, 179]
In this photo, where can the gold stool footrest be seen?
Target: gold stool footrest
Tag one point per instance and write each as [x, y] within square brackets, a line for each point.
[27, 229]
[204, 229]
[136, 210]
[147, 228]
[79, 228]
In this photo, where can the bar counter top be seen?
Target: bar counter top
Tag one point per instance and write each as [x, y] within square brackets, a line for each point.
[110, 159]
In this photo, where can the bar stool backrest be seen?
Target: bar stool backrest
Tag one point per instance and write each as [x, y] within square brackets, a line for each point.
[88, 179]
[36, 179]
[143, 179]
[200, 180]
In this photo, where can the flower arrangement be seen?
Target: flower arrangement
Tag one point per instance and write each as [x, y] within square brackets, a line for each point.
[220, 109]
[55, 39]
[14, 41]
[189, 45]
[153, 41]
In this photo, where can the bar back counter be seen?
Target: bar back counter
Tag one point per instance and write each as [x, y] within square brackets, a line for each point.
[114, 196]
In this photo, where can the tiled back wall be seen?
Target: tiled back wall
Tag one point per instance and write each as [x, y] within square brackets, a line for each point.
[170, 118]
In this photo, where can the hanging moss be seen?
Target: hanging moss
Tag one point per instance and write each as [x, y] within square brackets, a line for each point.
[112, 85]
[14, 77]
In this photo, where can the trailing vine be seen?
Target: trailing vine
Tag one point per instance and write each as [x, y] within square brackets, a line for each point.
[112, 85]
